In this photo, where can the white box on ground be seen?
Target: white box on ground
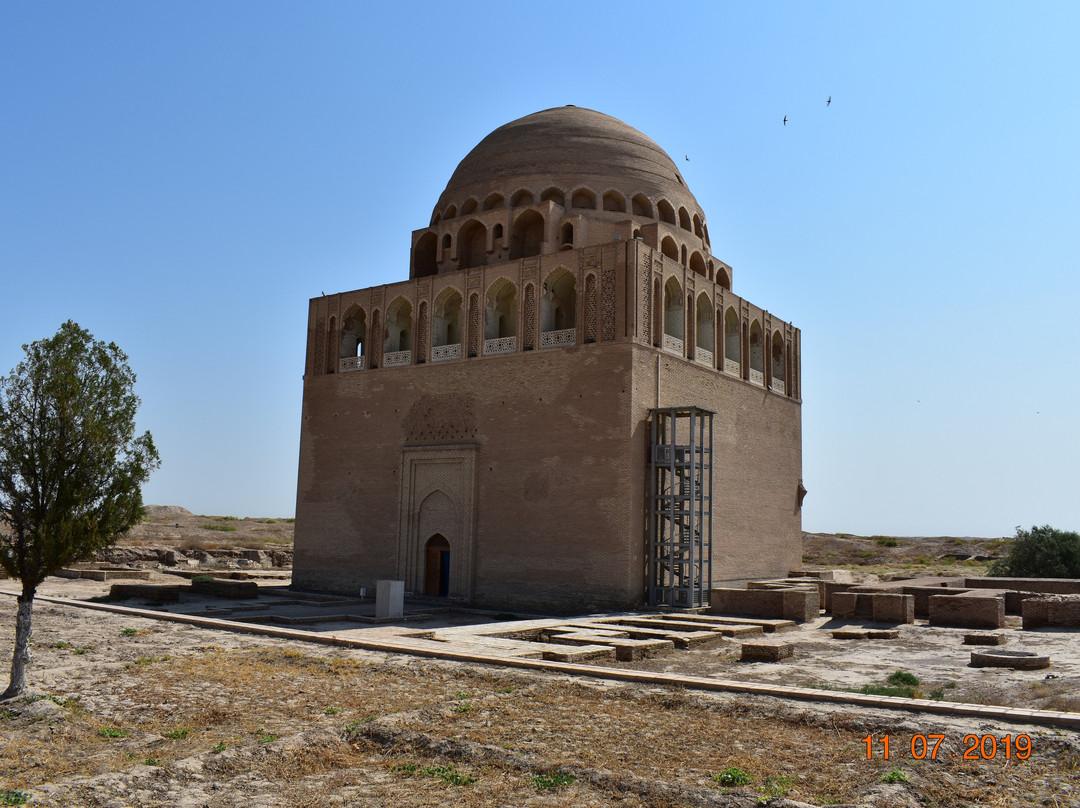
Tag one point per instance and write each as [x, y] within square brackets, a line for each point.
[389, 598]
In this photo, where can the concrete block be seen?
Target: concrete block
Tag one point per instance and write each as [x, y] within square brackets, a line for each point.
[390, 599]
[967, 611]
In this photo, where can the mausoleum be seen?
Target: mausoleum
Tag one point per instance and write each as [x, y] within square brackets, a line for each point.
[565, 407]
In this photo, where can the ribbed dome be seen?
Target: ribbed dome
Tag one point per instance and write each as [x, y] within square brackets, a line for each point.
[567, 147]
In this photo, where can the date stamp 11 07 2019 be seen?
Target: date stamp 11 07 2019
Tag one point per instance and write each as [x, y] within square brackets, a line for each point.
[975, 747]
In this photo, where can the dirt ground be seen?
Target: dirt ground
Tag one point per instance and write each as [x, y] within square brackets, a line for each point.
[126, 711]
[129, 711]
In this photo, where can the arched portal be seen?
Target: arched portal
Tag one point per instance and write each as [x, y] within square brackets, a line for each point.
[437, 566]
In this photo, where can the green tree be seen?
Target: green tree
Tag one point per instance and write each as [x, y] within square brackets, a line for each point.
[71, 466]
[1042, 552]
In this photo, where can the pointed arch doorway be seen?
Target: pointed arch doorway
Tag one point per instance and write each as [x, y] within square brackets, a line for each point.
[437, 566]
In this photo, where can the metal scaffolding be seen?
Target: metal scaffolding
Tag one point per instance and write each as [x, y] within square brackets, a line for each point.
[680, 506]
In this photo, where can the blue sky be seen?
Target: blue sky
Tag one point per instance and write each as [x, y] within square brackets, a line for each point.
[180, 177]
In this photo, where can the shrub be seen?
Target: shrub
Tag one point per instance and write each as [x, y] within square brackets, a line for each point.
[1042, 552]
[895, 775]
[903, 679]
[733, 776]
[888, 541]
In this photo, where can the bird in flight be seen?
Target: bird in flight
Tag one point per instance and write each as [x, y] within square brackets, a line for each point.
[828, 100]
[785, 120]
[688, 158]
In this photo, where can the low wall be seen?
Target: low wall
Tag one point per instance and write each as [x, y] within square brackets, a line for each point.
[800, 605]
[828, 588]
[880, 607]
[890, 608]
[155, 592]
[218, 588]
[967, 611]
[1051, 611]
[852, 605]
[1049, 586]
[922, 595]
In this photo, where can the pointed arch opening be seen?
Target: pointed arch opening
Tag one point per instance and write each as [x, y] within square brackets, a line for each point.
[558, 309]
[521, 198]
[397, 334]
[554, 195]
[353, 336]
[614, 202]
[779, 360]
[425, 261]
[447, 326]
[667, 213]
[527, 235]
[757, 353]
[494, 201]
[732, 348]
[437, 566]
[331, 346]
[674, 316]
[472, 245]
[500, 318]
[704, 334]
[641, 205]
[684, 219]
[583, 198]
[697, 264]
[669, 248]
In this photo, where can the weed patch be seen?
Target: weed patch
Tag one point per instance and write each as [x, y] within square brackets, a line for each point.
[549, 781]
[733, 776]
[895, 775]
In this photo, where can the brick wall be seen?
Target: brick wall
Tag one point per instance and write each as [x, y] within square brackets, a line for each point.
[800, 605]
[967, 611]
[1051, 611]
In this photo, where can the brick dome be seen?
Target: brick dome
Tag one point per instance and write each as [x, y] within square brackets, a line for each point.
[567, 148]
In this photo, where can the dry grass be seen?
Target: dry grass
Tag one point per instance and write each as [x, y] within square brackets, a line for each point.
[375, 728]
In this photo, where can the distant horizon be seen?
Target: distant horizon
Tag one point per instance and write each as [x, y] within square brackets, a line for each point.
[182, 179]
[841, 533]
